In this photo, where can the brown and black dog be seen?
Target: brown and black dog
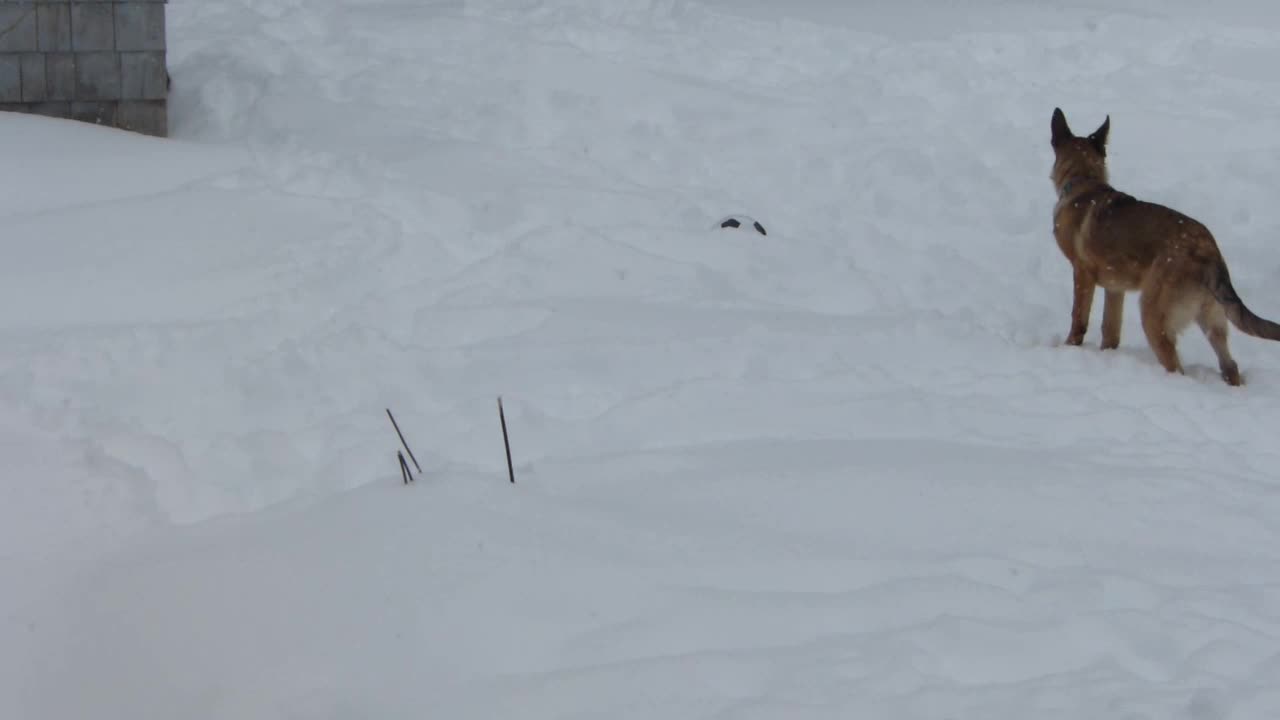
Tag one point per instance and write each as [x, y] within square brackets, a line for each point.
[1122, 244]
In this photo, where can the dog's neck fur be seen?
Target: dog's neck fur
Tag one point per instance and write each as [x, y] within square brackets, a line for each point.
[1075, 183]
[1075, 187]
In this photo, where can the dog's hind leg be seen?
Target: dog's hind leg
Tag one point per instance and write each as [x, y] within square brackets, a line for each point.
[1213, 321]
[1157, 323]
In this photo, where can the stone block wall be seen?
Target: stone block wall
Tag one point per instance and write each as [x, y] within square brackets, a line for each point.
[100, 61]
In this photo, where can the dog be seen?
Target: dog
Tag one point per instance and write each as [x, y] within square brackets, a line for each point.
[1123, 244]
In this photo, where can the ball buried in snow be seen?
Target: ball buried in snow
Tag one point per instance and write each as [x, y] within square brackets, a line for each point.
[742, 222]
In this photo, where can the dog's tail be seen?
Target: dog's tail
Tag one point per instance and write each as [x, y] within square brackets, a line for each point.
[1239, 315]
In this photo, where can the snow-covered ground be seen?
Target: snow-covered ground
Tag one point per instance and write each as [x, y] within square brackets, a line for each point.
[844, 470]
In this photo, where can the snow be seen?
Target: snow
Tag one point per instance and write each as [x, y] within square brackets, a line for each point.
[844, 470]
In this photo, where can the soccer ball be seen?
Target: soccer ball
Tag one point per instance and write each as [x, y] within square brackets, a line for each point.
[742, 222]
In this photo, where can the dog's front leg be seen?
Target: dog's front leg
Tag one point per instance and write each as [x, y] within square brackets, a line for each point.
[1112, 318]
[1081, 303]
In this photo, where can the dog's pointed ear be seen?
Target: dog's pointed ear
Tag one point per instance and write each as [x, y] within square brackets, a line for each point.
[1061, 132]
[1099, 136]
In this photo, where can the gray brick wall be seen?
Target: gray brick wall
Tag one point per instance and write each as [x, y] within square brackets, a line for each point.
[100, 61]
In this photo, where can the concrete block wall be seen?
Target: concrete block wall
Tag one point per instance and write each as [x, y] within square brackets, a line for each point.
[100, 61]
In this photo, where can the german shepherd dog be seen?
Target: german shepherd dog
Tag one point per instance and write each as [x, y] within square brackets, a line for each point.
[1121, 243]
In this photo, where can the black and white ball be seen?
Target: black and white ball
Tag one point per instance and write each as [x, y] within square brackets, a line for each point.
[742, 222]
